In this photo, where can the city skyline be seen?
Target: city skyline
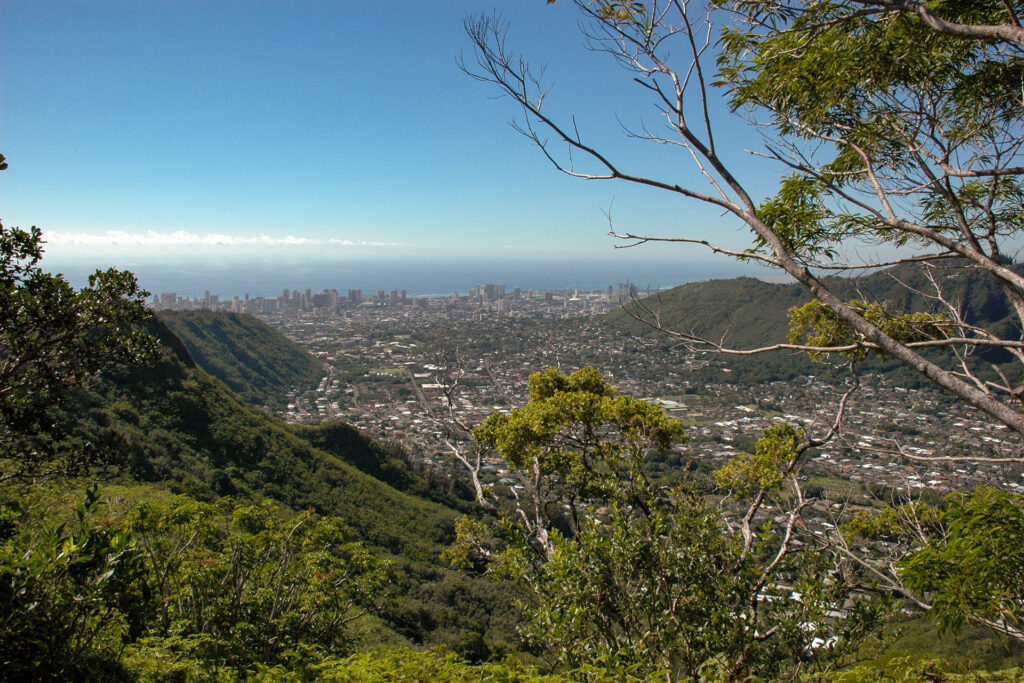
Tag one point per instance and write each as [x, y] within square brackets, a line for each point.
[307, 299]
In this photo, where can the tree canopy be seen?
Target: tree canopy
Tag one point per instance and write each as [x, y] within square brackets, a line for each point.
[895, 127]
[54, 337]
[896, 124]
[635, 579]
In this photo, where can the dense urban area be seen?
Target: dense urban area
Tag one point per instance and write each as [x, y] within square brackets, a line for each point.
[405, 370]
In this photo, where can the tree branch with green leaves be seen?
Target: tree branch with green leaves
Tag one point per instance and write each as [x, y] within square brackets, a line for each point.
[899, 131]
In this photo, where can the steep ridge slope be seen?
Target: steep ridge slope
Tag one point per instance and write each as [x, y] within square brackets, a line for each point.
[253, 359]
[741, 312]
[174, 423]
[172, 426]
[260, 365]
[389, 462]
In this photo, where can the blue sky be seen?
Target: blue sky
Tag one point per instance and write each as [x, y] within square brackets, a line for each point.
[168, 128]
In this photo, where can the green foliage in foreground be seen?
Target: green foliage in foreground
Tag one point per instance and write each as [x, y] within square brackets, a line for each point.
[440, 667]
[153, 662]
[244, 584]
[70, 591]
[964, 558]
[175, 427]
[634, 579]
[256, 361]
[231, 584]
[975, 568]
[913, 670]
[173, 423]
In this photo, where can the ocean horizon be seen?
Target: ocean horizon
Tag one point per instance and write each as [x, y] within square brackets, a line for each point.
[418, 277]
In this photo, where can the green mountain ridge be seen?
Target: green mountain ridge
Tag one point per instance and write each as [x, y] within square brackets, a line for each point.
[253, 359]
[747, 313]
[260, 365]
[174, 426]
[174, 423]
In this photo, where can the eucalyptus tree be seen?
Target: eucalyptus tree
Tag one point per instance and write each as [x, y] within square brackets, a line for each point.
[897, 124]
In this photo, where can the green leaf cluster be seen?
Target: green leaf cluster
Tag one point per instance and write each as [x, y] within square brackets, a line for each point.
[227, 584]
[245, 584]
[644, 581]
[776, 451]
[882, 91]
[797, 215]
[908, 521]
[580, 437]
[383, 666]
[976, 565]
[70, 594]
[814, 324]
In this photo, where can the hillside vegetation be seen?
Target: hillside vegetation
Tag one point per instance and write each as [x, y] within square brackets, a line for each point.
[173, 423]
[256, 361]
[173, 426]
[260, 364]
[745, 313]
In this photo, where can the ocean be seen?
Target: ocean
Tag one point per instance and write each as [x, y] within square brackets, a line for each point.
[418, 277]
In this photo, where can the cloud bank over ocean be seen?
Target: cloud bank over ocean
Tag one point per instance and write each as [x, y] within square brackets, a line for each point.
[184, 238]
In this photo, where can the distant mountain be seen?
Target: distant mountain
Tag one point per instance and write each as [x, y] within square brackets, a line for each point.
[741, 312]
[256, 361]
[747, 313]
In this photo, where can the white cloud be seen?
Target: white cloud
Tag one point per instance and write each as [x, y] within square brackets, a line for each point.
[184, 238]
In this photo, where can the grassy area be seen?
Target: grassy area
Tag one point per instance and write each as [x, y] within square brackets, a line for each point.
[836, 488]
